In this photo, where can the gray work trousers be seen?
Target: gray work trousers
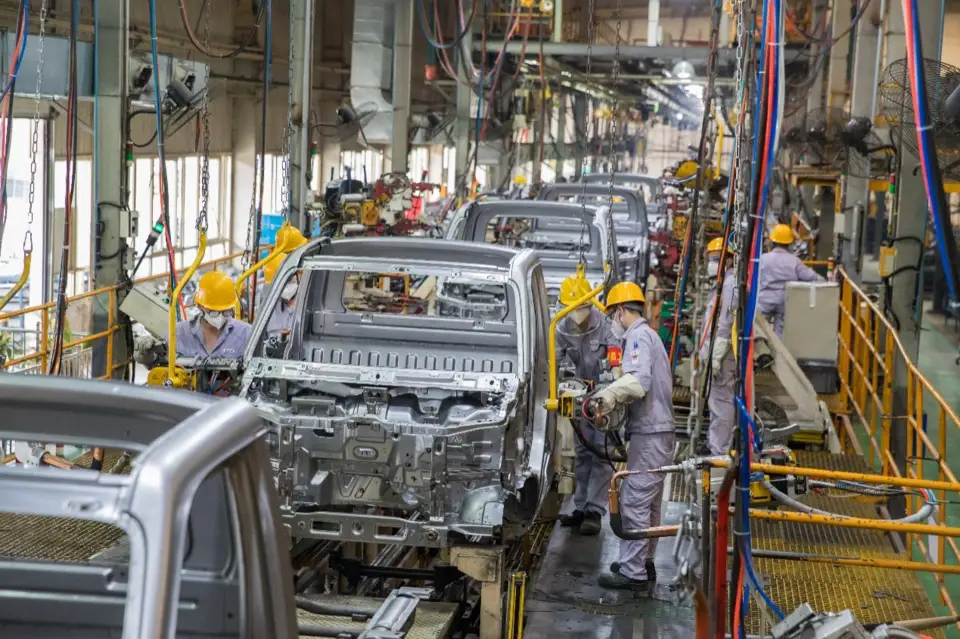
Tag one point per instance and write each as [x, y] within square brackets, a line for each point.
[723, 416]
[593, 473]
[641, 496]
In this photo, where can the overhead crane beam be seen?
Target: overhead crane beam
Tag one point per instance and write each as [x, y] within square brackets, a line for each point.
[109, 170]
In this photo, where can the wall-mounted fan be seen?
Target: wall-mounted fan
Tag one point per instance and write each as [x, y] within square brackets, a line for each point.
[943, 98]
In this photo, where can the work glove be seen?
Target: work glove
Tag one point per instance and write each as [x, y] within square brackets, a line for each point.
[622, 391]
[149, 351]
[720, 347]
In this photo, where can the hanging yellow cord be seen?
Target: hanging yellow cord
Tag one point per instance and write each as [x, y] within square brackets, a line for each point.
[172, 341]
[24, 276]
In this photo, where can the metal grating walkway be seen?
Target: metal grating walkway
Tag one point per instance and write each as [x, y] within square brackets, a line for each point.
[873, 594]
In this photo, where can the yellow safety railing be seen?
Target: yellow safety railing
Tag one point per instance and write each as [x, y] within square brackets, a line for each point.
[873, 363]
[42, 353]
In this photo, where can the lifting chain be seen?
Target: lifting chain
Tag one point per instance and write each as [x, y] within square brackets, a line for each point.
[591, 16]
[35, 142]
[285, 192]
[616, 106]
[205, 125]
[741, 82]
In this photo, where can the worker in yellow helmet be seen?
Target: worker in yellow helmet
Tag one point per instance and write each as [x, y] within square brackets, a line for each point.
[646, 390]
[723, 366]
[282, 316]
[584, 338]
[214, 332]
[778, 266]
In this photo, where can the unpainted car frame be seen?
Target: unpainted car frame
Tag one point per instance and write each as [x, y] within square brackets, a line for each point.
[402, 428]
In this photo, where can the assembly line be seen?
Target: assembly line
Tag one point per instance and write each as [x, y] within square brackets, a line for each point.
[486, 362]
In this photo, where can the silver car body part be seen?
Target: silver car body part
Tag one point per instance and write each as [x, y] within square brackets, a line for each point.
[206, 555]
[419, 428]
[629, 219]
[651, 184]
[555, 226]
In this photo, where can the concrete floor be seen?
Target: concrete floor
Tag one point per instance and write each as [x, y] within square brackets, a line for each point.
[566, 601]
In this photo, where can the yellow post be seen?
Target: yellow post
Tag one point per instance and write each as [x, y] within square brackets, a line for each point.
[941, 475]
[44, 328]
[111, 300]
[887, 422]
[24, 276]
[172, 327]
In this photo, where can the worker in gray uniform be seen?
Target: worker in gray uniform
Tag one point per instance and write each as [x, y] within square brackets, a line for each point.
[778, 266]
[281, 317]
[646, 388]
[723, 365]
[584, 338]
[215, 332]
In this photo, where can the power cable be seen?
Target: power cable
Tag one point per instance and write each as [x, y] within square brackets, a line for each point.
[244, 44]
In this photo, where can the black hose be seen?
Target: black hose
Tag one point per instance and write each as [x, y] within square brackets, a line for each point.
[324, 631]
[593, 448]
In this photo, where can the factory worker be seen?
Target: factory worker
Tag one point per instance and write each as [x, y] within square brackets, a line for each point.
[214, 332]
[281, 318]
[723, 365]
[777, 267]
[646, 388]
[584, 338]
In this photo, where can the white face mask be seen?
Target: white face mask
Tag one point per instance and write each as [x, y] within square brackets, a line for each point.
[713, 268]
[580, 315]
[216, 319]
[289, 291]
[616, 327]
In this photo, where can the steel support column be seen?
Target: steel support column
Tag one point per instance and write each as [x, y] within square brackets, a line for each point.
[402, 65]
[911, 215]
[111, 226]
[837, 64]
[653, 23]
[863, 102]
[300, 93]
[579, 133]
[464, 124]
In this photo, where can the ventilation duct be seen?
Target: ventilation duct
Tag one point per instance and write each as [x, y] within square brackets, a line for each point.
[371, 64]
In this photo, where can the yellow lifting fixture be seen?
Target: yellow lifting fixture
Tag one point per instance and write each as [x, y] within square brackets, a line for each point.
[553, 402]
[174, 376]
[289, 238]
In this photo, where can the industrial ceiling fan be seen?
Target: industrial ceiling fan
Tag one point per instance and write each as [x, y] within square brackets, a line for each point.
[943, 97]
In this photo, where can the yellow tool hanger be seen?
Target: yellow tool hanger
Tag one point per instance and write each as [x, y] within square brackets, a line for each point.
[287, 240]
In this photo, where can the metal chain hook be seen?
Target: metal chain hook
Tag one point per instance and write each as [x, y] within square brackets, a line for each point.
[35, 141]
[592, 11]
[205, 123]
[616, 104]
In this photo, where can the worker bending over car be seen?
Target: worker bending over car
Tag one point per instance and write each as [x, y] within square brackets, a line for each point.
[584, 338]
[215, 332]
[723, 365]
[646, 390]
[281, 317]
[778, 266]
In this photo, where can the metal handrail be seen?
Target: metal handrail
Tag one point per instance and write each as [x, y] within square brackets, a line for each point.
[42, 352]
[871, 360]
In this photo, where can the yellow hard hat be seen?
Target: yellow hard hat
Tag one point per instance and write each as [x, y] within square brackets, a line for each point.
[270, 268]
[625, 292]
[781, 234]
[520, 179]
[716, 245]
[215, 292]
[290, 238]
[686, 169]
[572, 289]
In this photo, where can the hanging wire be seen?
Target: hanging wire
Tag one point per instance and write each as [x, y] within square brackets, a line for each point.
[205, 48]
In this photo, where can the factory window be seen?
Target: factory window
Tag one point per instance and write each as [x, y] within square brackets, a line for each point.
[419, 163]
[364, 165]
[184, 187]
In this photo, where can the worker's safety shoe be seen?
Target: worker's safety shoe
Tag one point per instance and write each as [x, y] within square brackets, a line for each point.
[572, 519]
[590, 524]
[648, 565]
[619, 582]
